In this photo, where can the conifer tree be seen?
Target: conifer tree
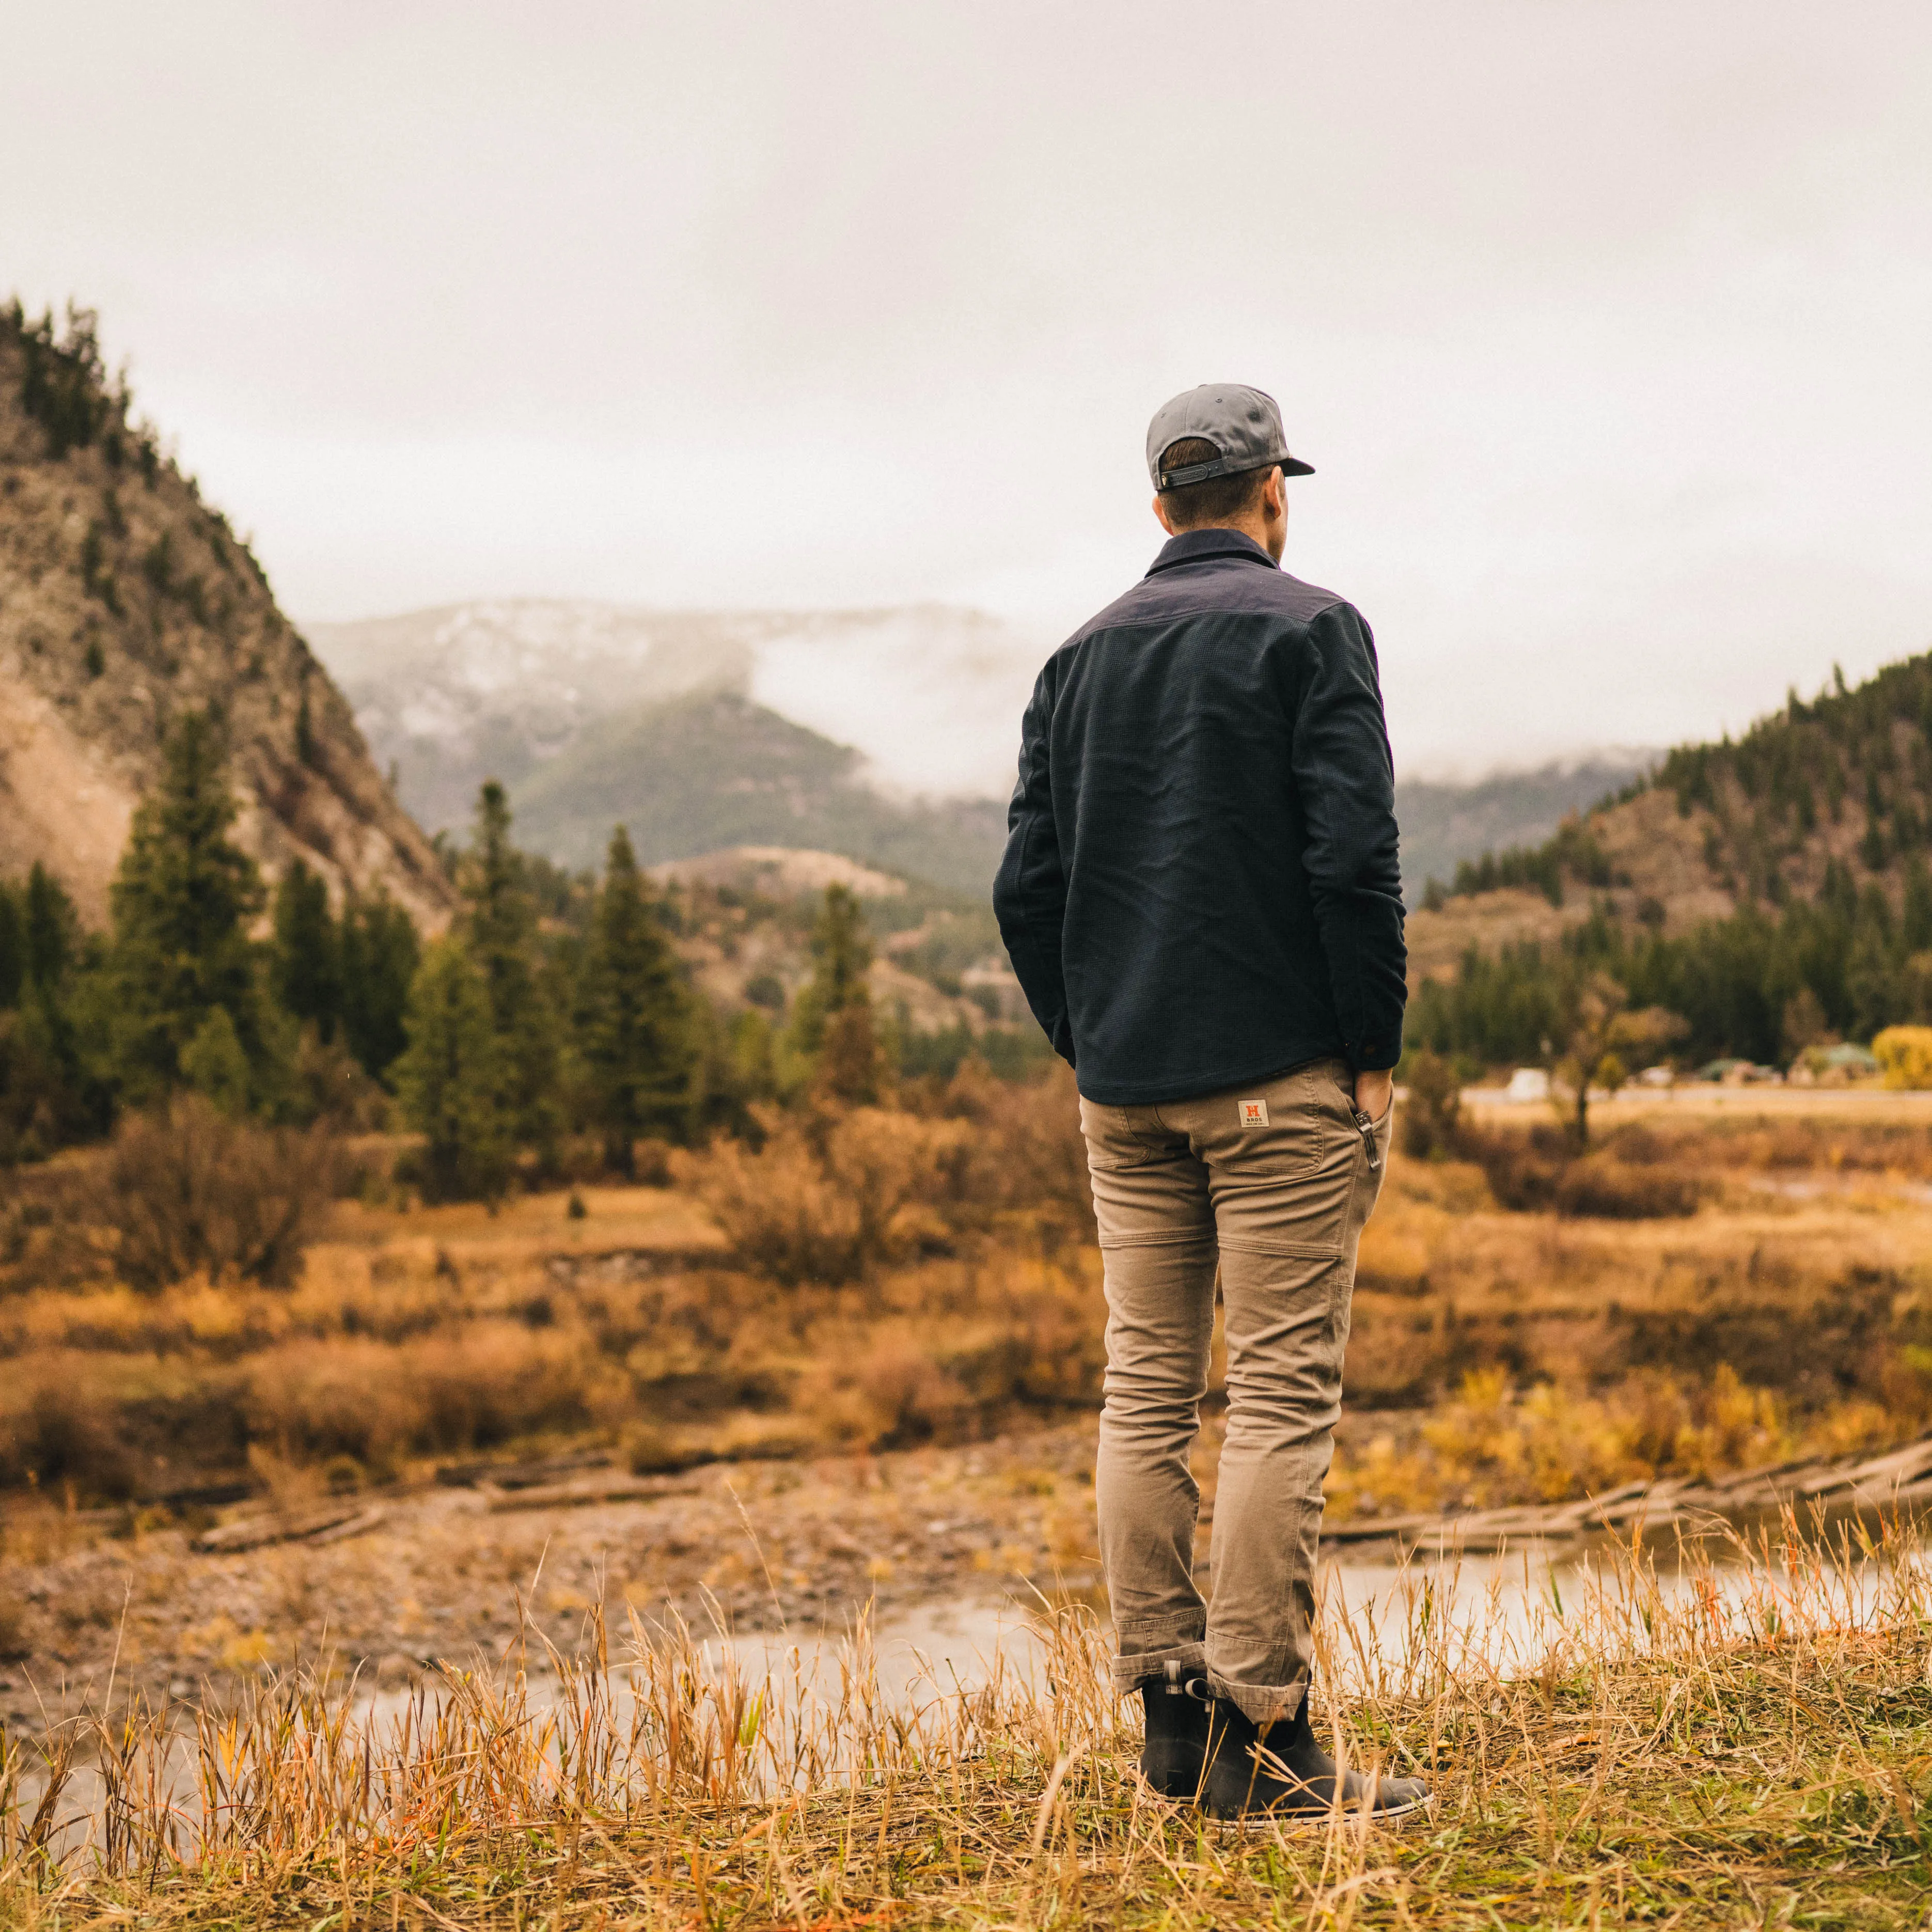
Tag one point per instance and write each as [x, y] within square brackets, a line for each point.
[13, 945]
[305, 961]
[379, 954]
[638, 1038]
[451, 1077]
[51, 930]
[181, 901]
[832, 1023]
[499, 930]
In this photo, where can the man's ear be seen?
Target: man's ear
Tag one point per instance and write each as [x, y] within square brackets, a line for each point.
[1160, 512]
[1276, 494]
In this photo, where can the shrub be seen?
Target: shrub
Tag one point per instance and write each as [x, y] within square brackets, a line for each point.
[825, 1199]
[1538, 1172]
[1615, 1190]
[1432, 1116]
[1024, 1150]
[892, 1393]
[1905, 1054]
[492, 1382]
[189, 1190]
[58, 1430]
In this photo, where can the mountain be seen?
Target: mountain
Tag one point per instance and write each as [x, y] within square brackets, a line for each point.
[928, 696]
[1443, 825]
[125, 600]
[712, 769]
[1818, 801]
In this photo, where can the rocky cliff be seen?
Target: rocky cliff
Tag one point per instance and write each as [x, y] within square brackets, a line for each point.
[125, 600]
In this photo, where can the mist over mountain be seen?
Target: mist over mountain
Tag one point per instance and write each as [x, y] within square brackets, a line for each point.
[888, 735]
[927, 696]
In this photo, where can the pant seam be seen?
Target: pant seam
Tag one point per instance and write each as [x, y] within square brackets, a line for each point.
[1284, 1251]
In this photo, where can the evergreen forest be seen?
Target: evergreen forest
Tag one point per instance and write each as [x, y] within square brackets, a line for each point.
[1817, 824]
[554, 1024]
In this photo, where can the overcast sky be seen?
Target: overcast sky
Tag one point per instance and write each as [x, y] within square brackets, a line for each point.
[1606, 325]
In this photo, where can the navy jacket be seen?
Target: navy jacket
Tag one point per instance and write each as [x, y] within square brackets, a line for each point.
[1200, 888]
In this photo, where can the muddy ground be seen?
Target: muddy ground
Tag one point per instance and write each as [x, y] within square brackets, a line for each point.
[448, 1574]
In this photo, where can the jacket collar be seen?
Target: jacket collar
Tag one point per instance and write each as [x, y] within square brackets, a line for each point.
[1196, 546]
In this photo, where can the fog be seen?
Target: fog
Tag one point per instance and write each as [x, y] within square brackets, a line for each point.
[1603, 324]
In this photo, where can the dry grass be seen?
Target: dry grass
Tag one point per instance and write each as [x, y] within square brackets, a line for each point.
[1497, 1356]
[1755, 1749]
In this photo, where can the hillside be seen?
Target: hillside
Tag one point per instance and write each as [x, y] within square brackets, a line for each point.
[712, 769]
[1773, 895]
[1443, 825]
[1818, 796]
[125, 600]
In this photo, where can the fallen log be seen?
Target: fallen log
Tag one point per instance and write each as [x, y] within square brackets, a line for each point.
[326, 1526]
[615, 1487]
[1900, 1479]
[517, 1475]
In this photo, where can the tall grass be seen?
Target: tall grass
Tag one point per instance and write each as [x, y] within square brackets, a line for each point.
[1710, 1752]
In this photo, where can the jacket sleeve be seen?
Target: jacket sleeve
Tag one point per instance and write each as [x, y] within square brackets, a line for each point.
[1346, 783]
[1030, 891]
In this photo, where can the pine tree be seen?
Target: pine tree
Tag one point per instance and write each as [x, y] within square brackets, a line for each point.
[305, 965]
[182, 900]
[638, 1039]
[379, 952]
[832, 1023]
[499, 929]
[13, 945]
[52, 933]
[451, 1077]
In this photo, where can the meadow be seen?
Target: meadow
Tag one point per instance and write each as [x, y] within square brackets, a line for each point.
[520, 1460]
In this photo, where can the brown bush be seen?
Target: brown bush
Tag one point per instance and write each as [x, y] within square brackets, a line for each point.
[1609, 1189]
[487, 1383]
[58, 1430]
[1540, 1171]
[826, 1198]
[1025, 1150]
[191, 1191]
[891, 1393]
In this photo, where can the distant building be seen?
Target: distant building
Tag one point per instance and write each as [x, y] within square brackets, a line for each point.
[1737, 1072]
[1527, 1083]
[1841, 1064]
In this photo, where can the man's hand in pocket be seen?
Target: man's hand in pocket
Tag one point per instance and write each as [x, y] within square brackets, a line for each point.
[1374, 1092]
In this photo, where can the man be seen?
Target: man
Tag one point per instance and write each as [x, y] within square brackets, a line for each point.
[1201, 896]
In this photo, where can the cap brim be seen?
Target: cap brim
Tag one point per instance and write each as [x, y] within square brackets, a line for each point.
[1293, 467]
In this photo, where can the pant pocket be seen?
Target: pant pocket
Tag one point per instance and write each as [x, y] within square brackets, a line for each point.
[1116, 1137]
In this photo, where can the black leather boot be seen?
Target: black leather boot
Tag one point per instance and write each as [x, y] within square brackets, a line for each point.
[1283, 1773]
[1174, 1759]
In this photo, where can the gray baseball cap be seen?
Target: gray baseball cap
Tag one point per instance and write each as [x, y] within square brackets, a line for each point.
[1243, 424]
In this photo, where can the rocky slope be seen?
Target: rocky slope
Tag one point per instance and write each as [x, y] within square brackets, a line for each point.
[125, 600]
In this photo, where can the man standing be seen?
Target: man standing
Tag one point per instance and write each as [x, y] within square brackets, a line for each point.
[1201, 896]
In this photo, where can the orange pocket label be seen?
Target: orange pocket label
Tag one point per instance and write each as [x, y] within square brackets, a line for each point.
[1252, 1113]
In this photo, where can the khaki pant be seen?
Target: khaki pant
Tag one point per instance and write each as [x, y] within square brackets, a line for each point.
[1280, 1207]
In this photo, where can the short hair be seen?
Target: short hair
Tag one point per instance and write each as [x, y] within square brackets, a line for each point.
[1196, 506]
